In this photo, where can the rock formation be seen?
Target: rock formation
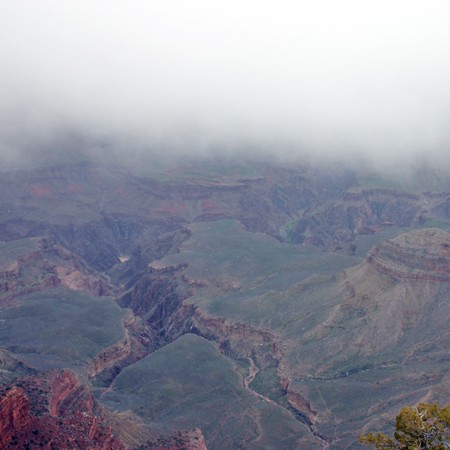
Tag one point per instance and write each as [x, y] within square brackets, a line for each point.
[382, 300]
[14, 414]
[52, 413]
[422, 254]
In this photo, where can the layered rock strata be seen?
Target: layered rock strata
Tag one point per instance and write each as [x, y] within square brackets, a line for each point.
[417, 255]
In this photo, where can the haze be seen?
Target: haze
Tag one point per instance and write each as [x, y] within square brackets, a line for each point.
[355, 78]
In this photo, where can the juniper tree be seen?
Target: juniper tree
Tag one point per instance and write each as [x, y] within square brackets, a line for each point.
[426, 426]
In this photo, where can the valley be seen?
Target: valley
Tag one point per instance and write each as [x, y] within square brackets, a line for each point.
[218, 304]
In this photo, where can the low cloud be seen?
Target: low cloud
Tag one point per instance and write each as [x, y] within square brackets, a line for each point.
[285, 79]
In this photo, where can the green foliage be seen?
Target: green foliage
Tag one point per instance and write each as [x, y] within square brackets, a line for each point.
[426, 426]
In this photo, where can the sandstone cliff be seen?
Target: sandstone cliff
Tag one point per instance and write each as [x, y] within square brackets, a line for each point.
[14, 414]
[52, 412]
[417, 255]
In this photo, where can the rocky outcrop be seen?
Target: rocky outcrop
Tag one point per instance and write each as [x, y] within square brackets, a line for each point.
[261, 348]
[237, 340]
[114, 356]
[136, 343]
[57, 411]
[70, 270]
[300, 404]
[52, 412]
[14, 414]
[9, 274]
[68, 395]
[416, 255]
[156, 296]
[160, 296]
[67, 420]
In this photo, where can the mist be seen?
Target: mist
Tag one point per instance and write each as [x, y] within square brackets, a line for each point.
[358, 80]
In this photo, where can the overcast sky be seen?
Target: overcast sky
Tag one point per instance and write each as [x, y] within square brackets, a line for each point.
[329, 76]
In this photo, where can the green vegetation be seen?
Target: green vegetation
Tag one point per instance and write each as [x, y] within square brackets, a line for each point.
[238, 260]
[426, 426]
[60, 328]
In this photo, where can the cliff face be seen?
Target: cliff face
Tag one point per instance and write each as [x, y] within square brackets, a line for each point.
[156, 296]
[135, 345]
[68, 396]
[238, 339]
[57, 411]
[102, 212]
[68, 420]
[14, 414]
[417, 255]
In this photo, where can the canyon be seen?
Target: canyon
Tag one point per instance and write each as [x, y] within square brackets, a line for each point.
[215, 304]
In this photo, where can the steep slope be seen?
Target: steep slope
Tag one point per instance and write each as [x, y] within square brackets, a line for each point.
[384, 342]
[396, 297]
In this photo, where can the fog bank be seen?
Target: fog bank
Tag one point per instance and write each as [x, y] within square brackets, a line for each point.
[366, 80]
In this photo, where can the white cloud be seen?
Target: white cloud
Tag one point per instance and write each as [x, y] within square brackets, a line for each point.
[334, 77]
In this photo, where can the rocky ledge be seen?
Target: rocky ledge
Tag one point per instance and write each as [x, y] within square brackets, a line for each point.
[422, 254]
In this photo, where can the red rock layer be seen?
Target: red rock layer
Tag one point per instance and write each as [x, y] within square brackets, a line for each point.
[66, 421]
[14, 414]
